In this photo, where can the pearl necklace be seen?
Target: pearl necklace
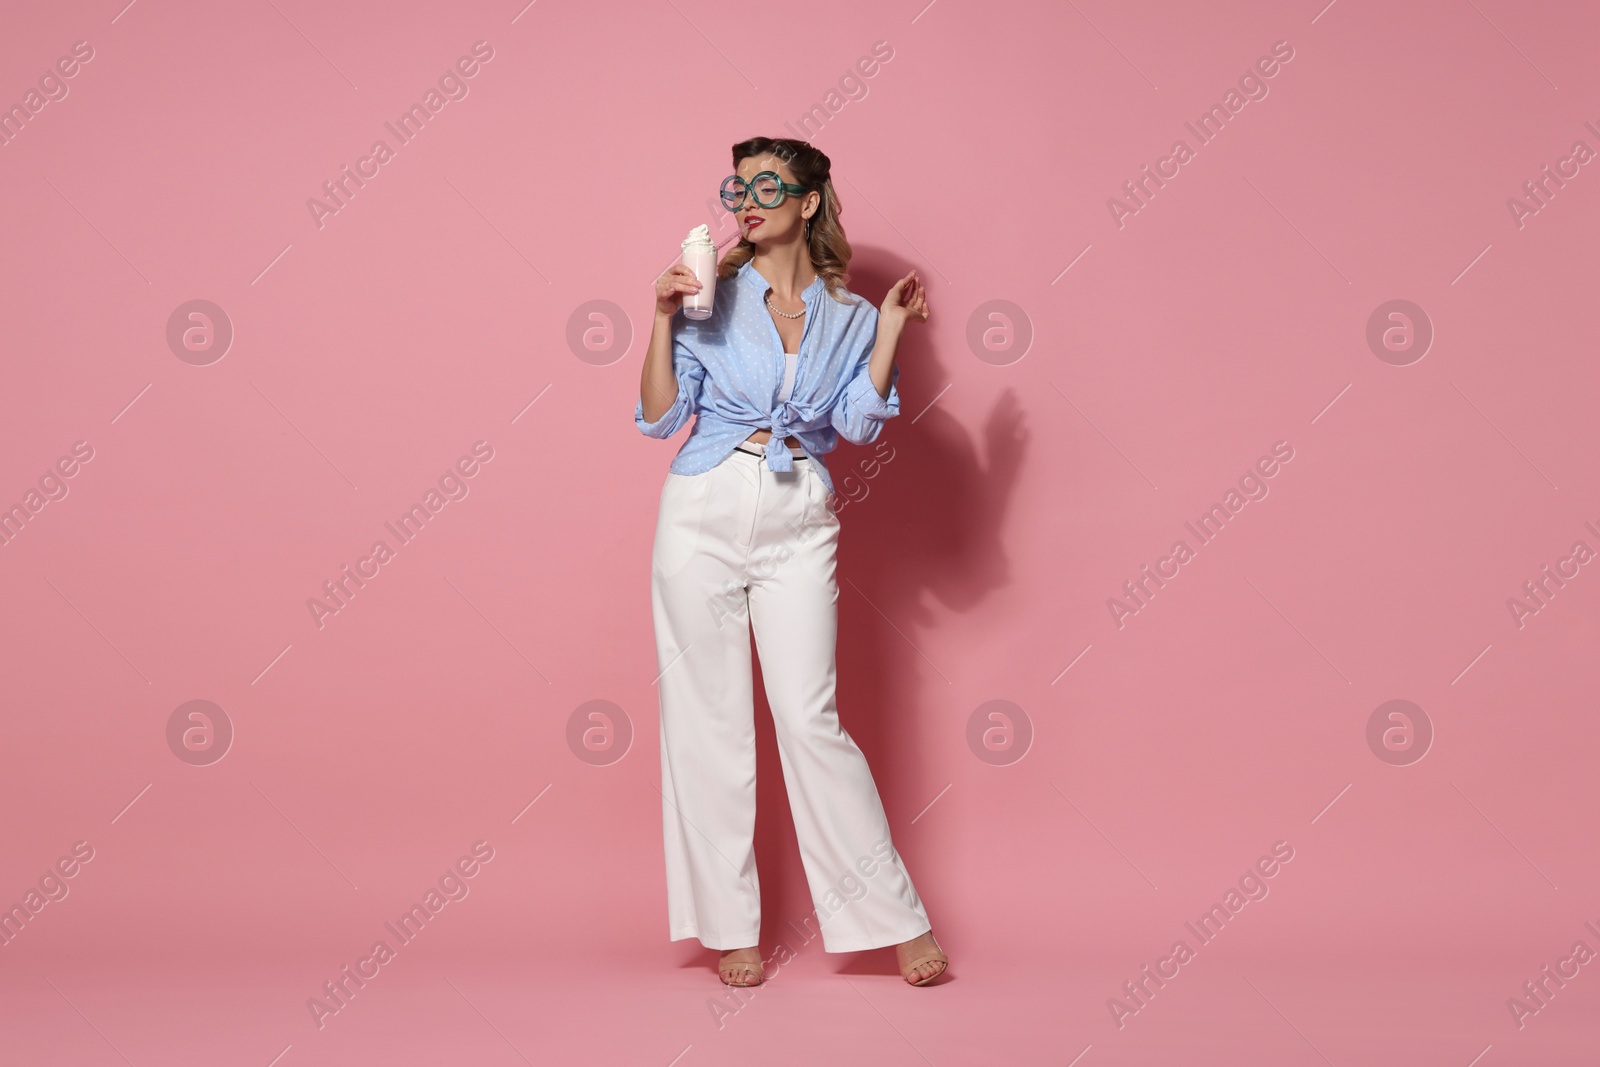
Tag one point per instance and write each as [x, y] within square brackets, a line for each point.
[785, 314]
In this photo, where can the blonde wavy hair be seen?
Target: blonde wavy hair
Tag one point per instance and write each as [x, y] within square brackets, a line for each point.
[825, 240]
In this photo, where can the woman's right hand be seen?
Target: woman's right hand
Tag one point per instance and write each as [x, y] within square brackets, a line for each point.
[670, 287]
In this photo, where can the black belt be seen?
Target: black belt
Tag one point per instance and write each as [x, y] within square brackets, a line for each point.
[762, 452]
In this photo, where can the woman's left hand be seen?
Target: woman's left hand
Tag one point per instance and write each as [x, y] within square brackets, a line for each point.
[906, 302]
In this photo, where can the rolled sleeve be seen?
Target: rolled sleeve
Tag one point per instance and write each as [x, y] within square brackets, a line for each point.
[690, 373]
[861, 412]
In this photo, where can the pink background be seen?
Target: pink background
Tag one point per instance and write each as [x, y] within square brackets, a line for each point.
[1025, 488]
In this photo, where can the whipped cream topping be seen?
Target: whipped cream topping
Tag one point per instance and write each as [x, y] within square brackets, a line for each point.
[699, 240]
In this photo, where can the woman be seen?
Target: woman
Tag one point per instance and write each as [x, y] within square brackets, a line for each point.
[789, 361]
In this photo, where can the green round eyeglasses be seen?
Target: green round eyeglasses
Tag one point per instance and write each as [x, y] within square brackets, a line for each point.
[767, 189]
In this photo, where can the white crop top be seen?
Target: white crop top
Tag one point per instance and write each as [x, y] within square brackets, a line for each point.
[787, 387]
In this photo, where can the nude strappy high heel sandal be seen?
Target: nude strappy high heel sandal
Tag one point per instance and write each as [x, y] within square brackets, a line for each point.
[936, 956]
[724, 970]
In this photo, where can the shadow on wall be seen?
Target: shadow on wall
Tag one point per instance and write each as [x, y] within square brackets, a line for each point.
[926, 506]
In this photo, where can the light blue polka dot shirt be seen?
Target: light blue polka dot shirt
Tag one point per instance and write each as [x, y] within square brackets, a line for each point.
[730, 370]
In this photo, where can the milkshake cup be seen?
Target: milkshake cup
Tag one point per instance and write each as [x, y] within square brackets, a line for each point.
[700, 256]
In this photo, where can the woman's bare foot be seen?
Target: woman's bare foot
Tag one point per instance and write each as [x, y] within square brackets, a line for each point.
[907, 951]
[741, 967]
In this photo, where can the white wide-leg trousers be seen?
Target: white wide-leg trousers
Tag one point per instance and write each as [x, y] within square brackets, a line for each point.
[737, 546]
